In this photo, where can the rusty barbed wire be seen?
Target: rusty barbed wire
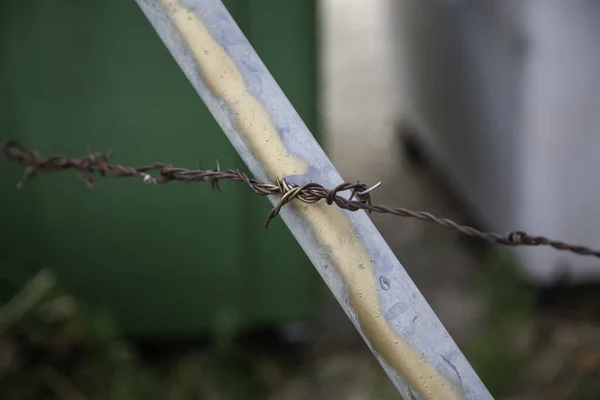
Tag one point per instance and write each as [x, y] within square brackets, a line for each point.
[309, 193]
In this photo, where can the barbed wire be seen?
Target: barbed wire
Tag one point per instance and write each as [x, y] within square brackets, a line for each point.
[309, 193]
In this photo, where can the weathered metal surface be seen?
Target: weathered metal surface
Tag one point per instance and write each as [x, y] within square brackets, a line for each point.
[358, 266]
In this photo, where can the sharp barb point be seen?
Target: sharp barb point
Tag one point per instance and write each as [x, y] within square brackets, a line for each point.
[369, 190]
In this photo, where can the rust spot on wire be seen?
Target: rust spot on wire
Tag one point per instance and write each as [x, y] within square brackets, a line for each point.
[309, 193]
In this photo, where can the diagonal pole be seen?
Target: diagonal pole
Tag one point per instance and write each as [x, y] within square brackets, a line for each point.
[349, 253]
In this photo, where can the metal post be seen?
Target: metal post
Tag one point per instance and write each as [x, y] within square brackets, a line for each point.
[349, 253]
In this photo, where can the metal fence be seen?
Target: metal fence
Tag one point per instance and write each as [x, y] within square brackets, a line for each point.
[304, 187]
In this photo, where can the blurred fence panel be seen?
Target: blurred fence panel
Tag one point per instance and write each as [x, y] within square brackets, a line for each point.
[165, 261]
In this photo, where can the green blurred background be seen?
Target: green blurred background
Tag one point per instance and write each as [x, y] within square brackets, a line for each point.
[174, 260]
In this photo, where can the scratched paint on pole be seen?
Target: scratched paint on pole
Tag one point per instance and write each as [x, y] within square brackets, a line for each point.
[329, 224]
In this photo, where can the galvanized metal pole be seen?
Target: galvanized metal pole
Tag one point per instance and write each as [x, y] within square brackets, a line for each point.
[356, 263]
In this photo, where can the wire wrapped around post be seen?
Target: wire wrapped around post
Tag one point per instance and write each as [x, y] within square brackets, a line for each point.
[418, 354]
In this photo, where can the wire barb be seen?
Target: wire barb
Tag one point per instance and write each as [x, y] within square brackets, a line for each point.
[369, 190]
[309, 193]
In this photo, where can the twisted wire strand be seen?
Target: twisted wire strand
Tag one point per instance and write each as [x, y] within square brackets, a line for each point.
[309, 193]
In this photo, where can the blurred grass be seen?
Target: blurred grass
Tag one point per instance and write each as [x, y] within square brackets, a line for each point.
[55, 348]
[494, 353]
[528, 352]
[59, 349]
